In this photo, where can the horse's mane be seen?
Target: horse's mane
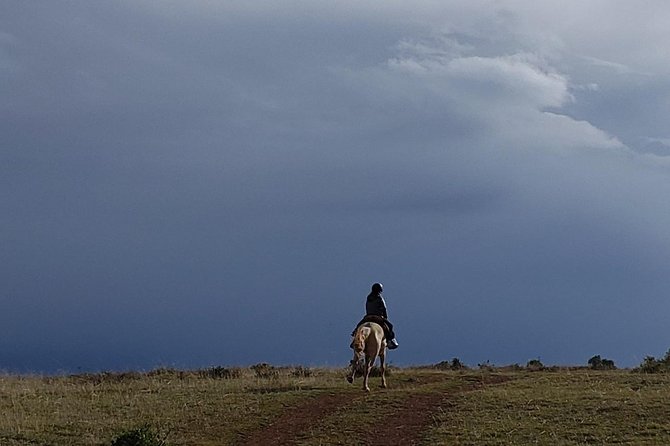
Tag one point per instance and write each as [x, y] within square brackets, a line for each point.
[359, 338]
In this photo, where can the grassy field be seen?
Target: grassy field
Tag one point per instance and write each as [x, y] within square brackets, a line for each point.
[561, 408]
[294, 405]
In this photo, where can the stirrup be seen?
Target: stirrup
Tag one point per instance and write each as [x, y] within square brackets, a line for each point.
[392, 344]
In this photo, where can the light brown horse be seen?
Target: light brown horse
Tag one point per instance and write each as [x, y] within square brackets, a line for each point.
[369, 341]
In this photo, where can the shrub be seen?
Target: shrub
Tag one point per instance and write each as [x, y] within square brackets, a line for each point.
[535, 365]
[649, 365]
[454, 364]
[220, 373]
[442, 365]
[487, 366]
[264, 370]
[301, 372]
[598, 363]
[142, 436]
[167, 372]
[653, 365]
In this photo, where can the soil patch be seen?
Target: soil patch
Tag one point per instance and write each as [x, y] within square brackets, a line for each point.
[285, 429]
[406, 426]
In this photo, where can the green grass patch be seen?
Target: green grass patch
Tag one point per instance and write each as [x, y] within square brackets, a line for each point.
[194, 407]
[224, 406]
[560, 408]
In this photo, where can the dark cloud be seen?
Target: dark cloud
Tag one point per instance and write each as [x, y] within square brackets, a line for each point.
[205, 185]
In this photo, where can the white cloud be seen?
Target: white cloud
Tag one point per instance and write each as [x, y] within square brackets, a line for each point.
[553, 131]
[519, 75]
[663, 141]
[616, 67]
[507, 95]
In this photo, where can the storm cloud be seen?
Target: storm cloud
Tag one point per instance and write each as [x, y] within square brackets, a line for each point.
[220, 183]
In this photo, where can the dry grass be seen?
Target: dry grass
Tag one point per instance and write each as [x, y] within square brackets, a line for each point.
[348, 425]
[191, 407]
[222, 407]
[560, 408]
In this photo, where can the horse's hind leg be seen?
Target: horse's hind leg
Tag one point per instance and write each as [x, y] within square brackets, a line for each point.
[354, 366]
[369, 362]
[382, 367]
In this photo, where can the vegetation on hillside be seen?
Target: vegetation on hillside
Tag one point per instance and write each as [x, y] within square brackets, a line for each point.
[142, 436]
[591, 404]
[653, 365]
[598, 363]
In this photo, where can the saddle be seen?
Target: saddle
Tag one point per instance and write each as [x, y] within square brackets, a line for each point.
[377, 320]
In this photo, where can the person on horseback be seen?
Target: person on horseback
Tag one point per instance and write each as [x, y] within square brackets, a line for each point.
[375, 311]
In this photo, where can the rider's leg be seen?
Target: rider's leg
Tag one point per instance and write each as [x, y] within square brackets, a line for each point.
[390, 335]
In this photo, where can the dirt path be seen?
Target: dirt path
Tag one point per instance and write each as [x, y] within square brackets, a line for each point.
[297, 419]
[406, 426]
[410, 420]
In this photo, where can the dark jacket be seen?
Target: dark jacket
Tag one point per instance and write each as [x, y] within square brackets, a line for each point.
[375, 305]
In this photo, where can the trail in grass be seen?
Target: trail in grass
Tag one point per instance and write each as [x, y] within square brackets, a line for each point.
[404, 422]
[408, 423]
[295, 420]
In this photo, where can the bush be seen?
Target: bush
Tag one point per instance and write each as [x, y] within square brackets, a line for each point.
[534, 365]
[264, 370]
[653, 365]
[142, 436]
[167, 372]
[442, 365]
[598, 363]
[649, 365]
[220, 373]
[301, 372]
[454, 364]
[486, 366]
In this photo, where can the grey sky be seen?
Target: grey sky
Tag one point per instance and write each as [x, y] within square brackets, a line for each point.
[201, 183]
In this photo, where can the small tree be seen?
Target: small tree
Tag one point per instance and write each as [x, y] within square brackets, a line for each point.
[653, 365]
[221, 373]
[598, 363]
[649, 365]
[535, 365]
[456, 364]
[265, 370]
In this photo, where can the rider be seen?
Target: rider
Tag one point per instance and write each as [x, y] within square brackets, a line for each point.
[375, 311]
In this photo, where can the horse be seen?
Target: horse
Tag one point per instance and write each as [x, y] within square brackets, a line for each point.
[369, 341]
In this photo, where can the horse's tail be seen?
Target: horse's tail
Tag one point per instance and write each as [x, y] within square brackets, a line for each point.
[359, 339]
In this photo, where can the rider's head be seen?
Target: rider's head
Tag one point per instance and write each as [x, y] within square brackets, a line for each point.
[377, 287]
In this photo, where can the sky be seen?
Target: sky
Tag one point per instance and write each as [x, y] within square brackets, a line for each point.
[204, 183]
